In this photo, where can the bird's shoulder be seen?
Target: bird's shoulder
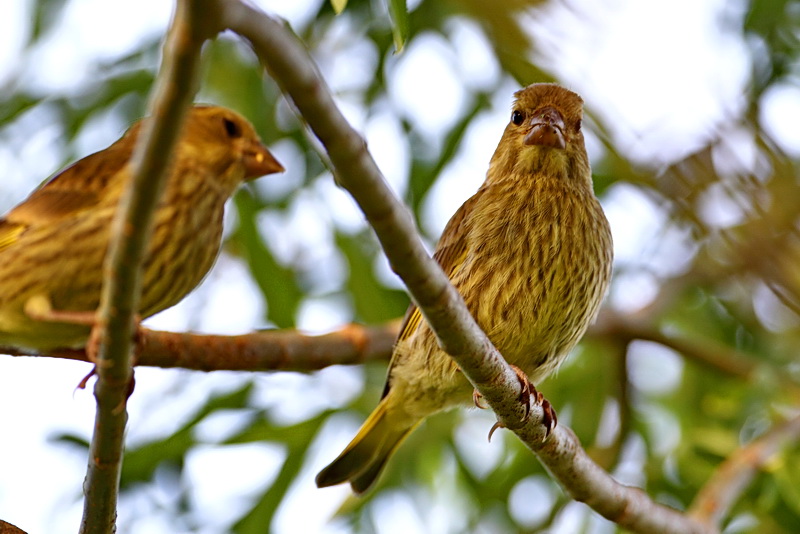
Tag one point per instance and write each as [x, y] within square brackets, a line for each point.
[452, 246]
[77, 188]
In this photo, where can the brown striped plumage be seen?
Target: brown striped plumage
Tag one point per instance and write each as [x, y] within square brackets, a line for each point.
[530, 253]
[53, 244]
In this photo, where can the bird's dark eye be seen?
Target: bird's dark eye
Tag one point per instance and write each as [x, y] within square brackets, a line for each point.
[232, 128]
[578, 126]
[517, 117]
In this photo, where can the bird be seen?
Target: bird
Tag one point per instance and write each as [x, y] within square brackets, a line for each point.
[531, 254]
[53, 244]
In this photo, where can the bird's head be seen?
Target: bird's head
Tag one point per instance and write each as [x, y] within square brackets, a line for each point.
[544, 134]
[226, 142]
[217, 147]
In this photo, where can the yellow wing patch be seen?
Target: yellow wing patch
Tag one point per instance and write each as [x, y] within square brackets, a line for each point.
[410, 324]
[9, 233]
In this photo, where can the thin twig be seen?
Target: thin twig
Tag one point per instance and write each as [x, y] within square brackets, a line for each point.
[271, 350]
[277, 350]
[130, 233]
[291, 66]
[722, 490]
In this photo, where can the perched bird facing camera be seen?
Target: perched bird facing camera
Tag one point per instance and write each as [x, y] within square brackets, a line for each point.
[531, 254]
[53, 244]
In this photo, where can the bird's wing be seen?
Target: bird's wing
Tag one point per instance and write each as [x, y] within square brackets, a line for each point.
[450, 254]
[43, 207]
[75, 189]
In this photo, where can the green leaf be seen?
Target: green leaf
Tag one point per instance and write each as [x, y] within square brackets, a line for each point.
[141, 463]
[46, 15]
[338, 5]
[373, 302]
[297, 438]
[423, 175]
[277, 283]
[399, 13]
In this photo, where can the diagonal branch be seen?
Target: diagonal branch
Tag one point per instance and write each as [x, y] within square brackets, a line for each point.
[130, 233]
[291, 66]
[719, 494]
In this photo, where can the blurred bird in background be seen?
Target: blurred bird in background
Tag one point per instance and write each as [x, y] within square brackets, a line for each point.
[53, 244]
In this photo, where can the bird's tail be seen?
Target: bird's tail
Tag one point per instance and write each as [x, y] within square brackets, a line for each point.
[364, 458]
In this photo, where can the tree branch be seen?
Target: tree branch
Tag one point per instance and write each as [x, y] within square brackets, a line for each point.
[292, 350]
[272, 350]
[130, 234]
[290, 65]
[720, 492]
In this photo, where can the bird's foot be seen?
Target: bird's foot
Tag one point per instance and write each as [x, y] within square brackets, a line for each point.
[527, 390]
[93, 350]
[40, 308]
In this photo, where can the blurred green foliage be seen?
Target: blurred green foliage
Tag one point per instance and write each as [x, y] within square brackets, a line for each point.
[738, 285]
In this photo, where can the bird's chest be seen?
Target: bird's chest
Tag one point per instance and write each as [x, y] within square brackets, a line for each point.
[183, 247]
[525, 260]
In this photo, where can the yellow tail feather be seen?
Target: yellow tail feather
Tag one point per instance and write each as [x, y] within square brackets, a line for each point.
[363, 459]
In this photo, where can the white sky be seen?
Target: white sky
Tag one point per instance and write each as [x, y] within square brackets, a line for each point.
[659, 73]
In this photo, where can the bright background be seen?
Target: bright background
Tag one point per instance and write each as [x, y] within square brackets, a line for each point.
[693, 135]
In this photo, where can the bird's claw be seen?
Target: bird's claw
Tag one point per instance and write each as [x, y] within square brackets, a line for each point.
[526, 388]
[549, 418]
[93, 351]
[477, 399]
[85, 379]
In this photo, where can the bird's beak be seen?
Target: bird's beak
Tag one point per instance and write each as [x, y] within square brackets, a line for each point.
[547, 129]
[258, 161]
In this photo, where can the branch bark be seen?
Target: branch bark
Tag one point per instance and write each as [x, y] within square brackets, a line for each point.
[131, 230]
[291, 66]
[271, 350]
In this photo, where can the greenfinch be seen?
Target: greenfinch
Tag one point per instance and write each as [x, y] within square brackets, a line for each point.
[531, 255]
[53, 244]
